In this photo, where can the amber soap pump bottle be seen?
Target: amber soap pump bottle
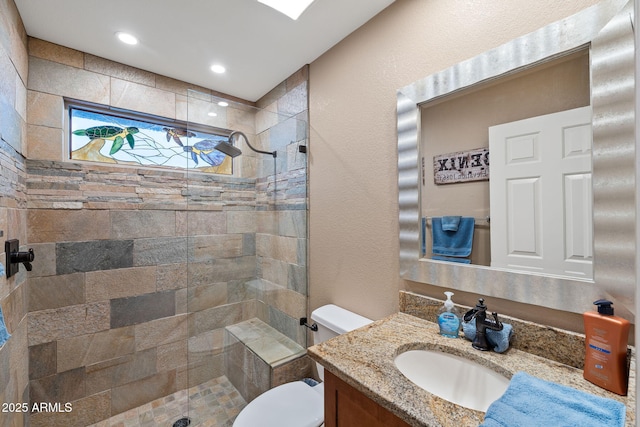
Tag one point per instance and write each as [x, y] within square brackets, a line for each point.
[606, 363]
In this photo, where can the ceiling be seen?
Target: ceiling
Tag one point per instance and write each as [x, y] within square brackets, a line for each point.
[182, 39]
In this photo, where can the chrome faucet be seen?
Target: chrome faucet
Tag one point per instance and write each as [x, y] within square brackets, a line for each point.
[479, 313]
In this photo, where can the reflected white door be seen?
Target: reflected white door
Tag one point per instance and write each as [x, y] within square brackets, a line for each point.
[541, 199]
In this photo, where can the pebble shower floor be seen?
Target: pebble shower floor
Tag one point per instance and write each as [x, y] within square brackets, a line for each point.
[215, 403]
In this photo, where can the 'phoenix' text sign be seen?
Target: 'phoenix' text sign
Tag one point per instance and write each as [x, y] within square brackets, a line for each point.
[462, 166]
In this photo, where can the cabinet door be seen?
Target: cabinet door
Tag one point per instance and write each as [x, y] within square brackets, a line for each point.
[344, 406]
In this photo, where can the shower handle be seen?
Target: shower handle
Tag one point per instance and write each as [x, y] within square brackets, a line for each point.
[26, 258]
[14, 257]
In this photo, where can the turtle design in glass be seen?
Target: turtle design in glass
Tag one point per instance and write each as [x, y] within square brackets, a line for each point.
[207, 152]
[176, 133]
[113, 133]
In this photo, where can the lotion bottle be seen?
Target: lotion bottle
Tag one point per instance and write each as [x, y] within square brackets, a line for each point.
[606, 339]
[448, 318]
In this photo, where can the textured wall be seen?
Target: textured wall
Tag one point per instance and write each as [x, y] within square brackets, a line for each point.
[353, 144]
[13, 115]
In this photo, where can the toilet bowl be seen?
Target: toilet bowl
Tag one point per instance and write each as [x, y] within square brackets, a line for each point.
[298, 404]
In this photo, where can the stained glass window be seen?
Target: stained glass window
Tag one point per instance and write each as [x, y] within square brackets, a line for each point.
[101, 135]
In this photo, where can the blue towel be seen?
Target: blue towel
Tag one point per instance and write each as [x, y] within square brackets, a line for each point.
[499, 340]
[453, 243]
[531, 401]
[451, 223]
[4, 334]
[451, 259]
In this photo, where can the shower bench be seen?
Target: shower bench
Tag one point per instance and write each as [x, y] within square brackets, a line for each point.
[259, 357]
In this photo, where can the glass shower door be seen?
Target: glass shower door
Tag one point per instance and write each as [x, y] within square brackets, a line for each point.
[245, 223]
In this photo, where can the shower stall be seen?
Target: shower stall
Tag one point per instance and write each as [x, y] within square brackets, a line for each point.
[247, 238]
[170, 295]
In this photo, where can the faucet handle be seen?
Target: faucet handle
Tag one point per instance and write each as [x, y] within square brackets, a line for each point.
[469, 315]
[498, 325]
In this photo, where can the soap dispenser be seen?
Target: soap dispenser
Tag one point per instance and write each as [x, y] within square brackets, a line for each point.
[606, 336]
[448, 318]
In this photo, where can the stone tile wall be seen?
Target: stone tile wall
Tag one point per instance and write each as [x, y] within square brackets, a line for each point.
[13, 118]
[128, 303]
[139, 270]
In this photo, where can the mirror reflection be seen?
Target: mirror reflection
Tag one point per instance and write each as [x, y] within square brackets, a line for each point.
[607, 30]
[508, 212]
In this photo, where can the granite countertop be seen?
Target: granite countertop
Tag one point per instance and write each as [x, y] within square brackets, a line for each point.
[364, 359]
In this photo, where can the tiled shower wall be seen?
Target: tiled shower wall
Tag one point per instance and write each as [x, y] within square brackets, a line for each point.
[281, 233]
[139, 270]
[125, 304]
[13, 115]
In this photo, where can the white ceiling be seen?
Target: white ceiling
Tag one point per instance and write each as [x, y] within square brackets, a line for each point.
[181, 39]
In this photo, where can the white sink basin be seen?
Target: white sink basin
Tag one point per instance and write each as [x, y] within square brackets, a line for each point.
[453, 378]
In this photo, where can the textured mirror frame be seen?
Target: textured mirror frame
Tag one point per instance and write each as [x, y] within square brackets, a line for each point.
[608, 29]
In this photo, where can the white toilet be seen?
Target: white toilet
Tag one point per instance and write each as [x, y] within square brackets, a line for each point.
[297, 404]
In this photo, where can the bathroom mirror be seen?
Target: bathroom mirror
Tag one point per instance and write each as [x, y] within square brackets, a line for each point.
[544, 99]
[606, 30]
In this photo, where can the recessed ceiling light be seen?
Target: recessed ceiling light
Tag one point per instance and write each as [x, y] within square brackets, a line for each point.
[218, 69]
[126, 38]
[223, 104]
[211, 114]
[292, 8]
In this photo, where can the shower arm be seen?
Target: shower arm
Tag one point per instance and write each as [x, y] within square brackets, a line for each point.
[237, 132]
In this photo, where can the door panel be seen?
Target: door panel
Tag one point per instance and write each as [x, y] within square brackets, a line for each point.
[541, 215]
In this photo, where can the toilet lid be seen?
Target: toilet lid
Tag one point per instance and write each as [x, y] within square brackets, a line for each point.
[294, 404]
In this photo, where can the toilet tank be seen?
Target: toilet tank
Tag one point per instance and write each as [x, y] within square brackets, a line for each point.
[333, 321]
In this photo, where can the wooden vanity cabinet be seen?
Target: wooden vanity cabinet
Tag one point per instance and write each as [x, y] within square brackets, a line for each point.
[344, 406]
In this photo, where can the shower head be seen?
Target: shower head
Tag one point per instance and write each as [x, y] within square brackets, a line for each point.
[227, 148]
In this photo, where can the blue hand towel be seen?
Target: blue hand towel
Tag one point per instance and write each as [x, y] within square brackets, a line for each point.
[531, 401]
[4, 334]
[499, 340]
[453, 243]
[451, 223]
